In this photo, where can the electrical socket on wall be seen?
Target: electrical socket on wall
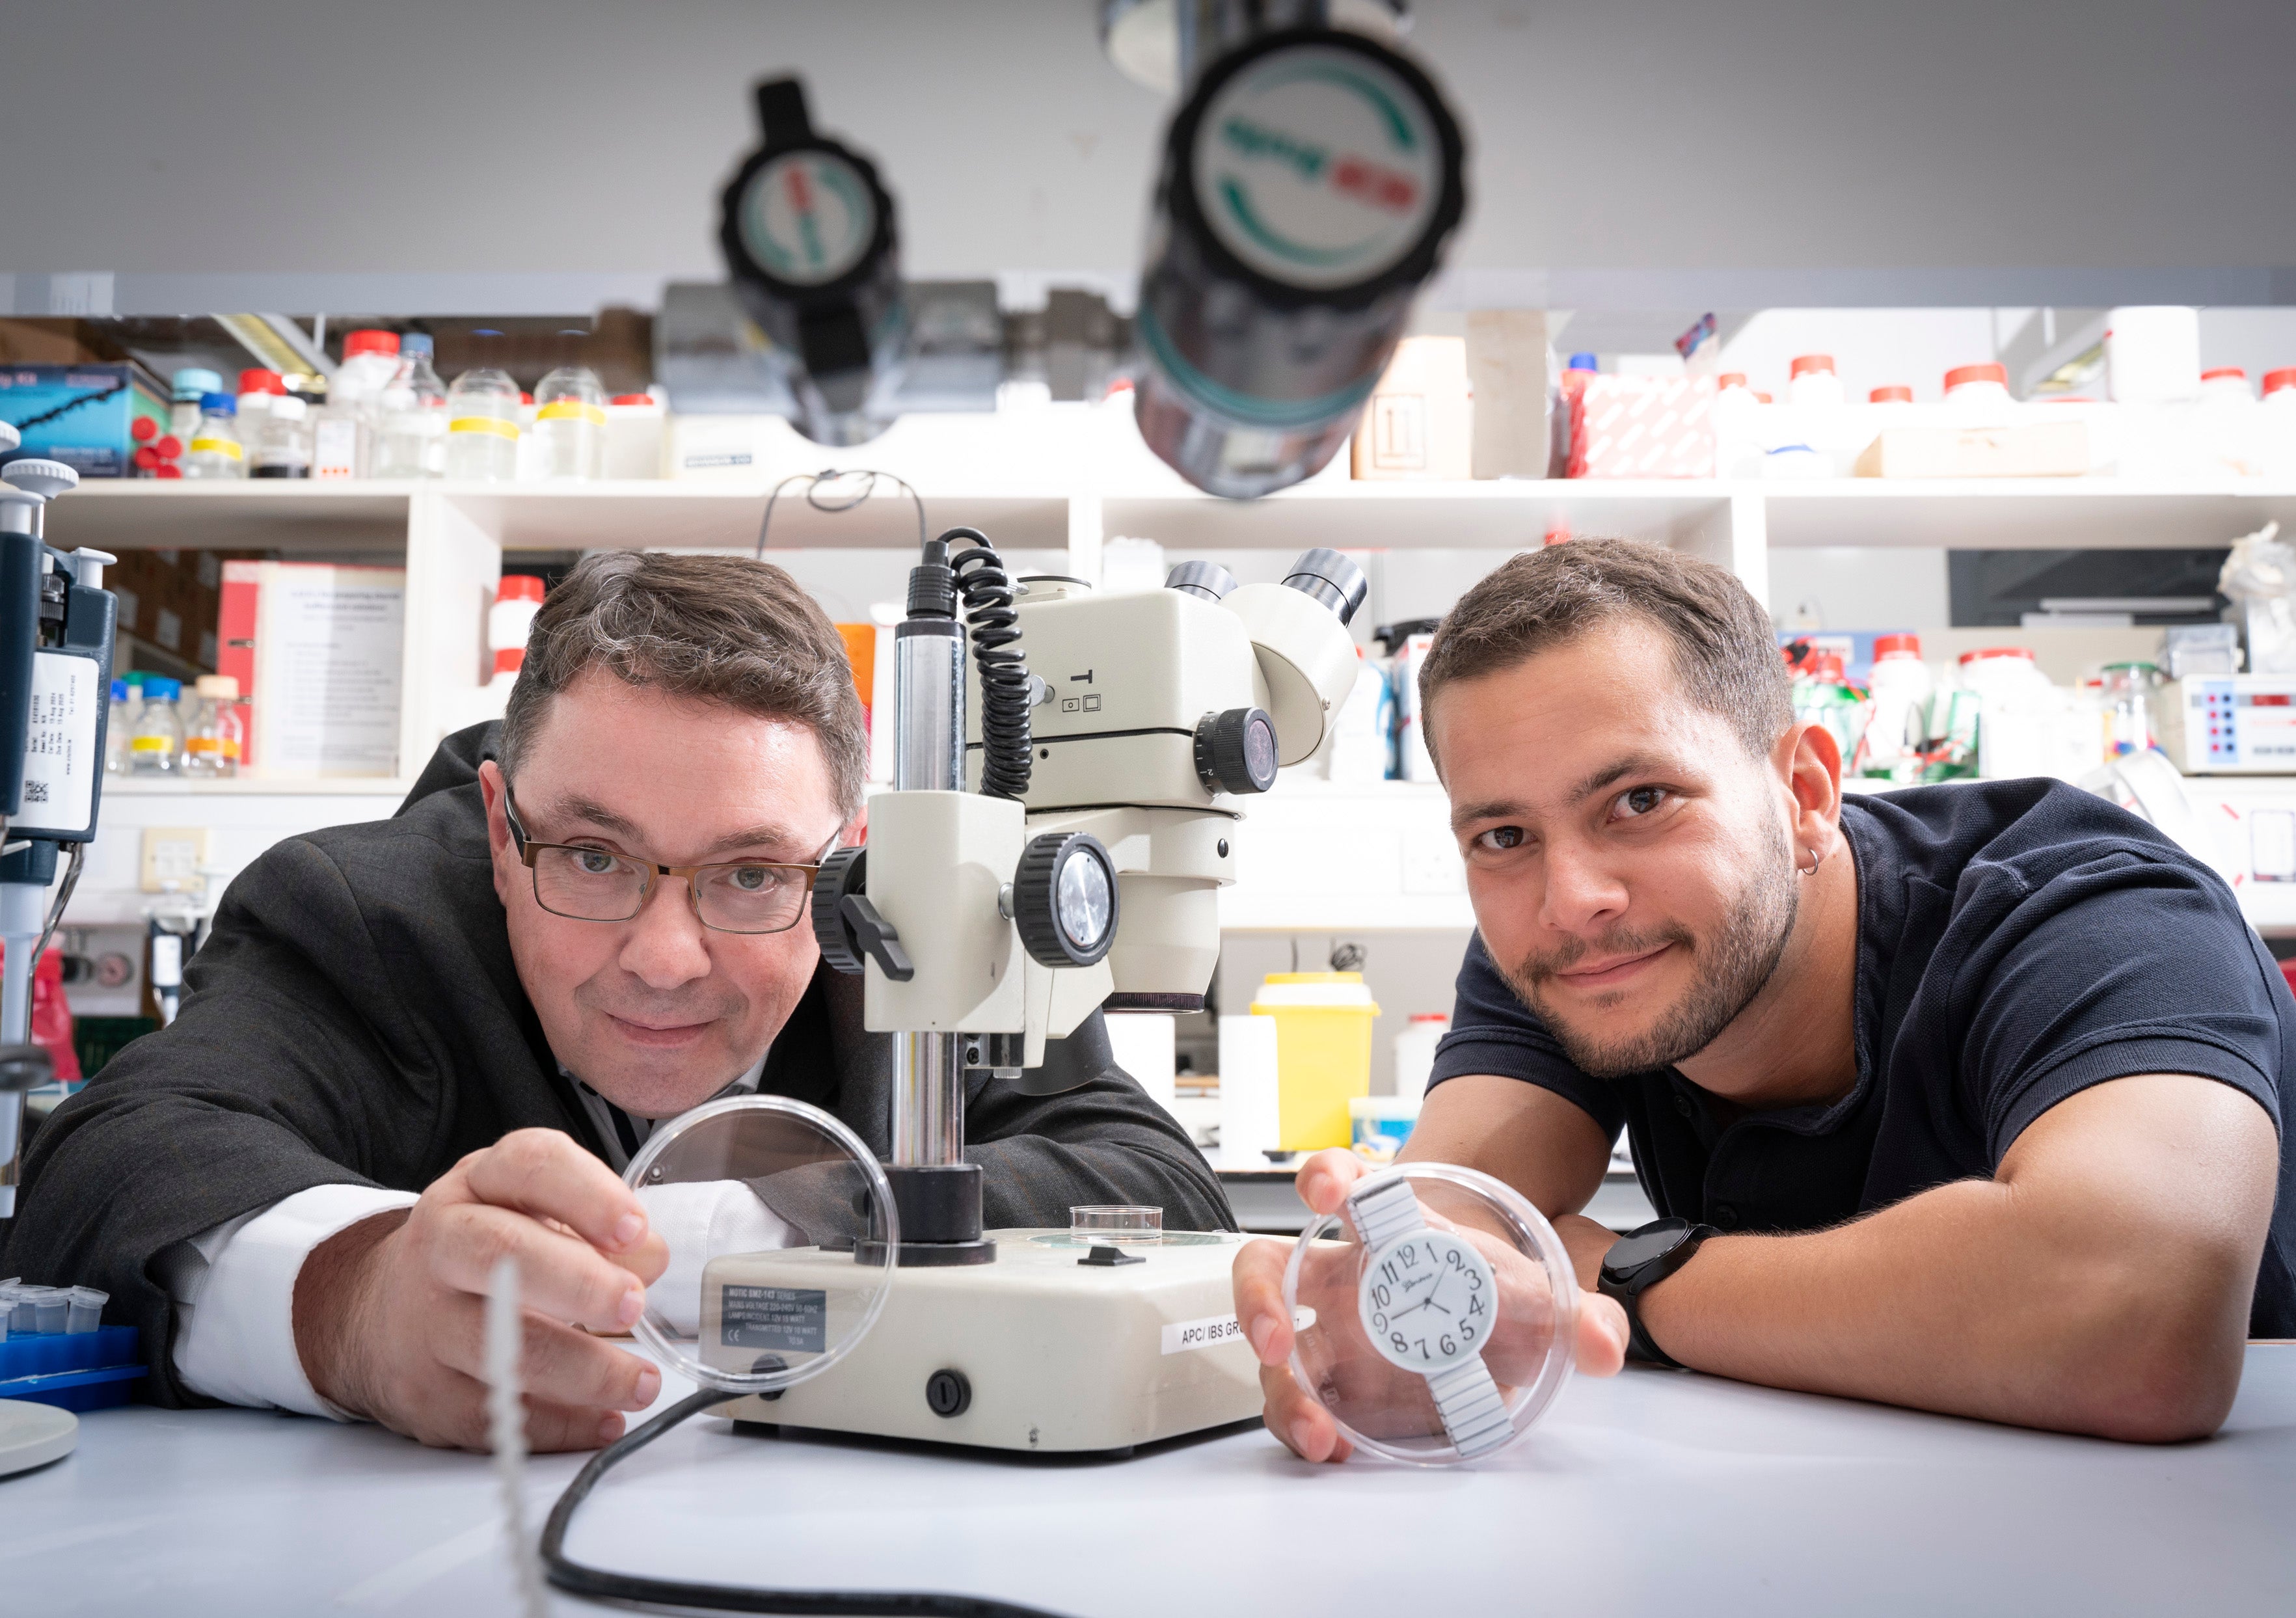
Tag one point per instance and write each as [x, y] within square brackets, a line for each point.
[172, 857]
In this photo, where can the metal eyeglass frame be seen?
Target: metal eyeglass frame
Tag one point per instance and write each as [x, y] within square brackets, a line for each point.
[528, 848]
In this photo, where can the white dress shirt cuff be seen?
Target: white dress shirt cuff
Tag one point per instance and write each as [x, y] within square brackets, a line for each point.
[235, 1337]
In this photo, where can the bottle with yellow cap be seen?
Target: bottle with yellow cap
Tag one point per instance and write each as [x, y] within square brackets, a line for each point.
[482, 425]
[570, 420]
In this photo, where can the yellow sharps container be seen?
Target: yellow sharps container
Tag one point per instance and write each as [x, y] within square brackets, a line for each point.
[1323, 1052]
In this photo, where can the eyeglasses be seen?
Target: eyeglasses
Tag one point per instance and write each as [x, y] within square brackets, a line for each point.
[593, 884]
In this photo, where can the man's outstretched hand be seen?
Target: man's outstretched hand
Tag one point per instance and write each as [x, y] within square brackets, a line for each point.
[1324, 1182]
[390, 1314]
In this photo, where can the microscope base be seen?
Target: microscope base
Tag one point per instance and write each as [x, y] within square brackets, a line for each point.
[1050, 1356]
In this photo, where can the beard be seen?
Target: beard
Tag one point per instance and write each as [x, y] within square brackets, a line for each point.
[1730, 968]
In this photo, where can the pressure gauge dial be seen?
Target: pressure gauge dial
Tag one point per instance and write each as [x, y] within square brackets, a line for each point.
[1064, 899]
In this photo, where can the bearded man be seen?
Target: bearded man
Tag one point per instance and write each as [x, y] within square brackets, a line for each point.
[1967, 1097]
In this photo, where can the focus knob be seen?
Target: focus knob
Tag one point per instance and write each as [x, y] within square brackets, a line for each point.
[1235, 751]
[1064, 899]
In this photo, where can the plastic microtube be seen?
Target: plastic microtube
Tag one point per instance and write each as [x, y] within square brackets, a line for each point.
[51, 1306]
[87, 1310]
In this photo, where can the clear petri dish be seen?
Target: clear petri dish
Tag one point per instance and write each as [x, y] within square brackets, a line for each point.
[1447, 1335]
[768, 1206]
[1117, 1224]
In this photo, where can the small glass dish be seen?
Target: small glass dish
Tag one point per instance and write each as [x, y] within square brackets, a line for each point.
[1117, 1225]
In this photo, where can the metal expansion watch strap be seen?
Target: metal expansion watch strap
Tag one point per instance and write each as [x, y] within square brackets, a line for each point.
[1473, 1412]
[1385, 1209]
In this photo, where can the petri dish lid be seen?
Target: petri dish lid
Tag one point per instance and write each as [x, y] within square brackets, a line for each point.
[1483, 1264]
[767, 1206]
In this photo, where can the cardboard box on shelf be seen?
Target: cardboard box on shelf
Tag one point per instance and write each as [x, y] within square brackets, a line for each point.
[1642, 427]
[2044, 449]
[1507, 358]
[81, 414]
[1415, 423]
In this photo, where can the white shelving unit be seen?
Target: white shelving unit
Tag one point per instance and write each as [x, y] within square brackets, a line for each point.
[1314, 856]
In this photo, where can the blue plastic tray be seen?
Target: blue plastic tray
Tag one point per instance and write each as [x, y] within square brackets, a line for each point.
[77, 1370]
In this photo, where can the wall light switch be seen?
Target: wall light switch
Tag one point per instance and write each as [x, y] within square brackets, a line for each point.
[172, 857]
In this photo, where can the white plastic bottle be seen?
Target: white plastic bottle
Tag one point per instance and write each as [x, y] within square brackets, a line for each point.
[1414, 1054]
[1900, 686]
[1814, 383]
[157, 747]
[1738, 448]
[1978, 396]
[215, 451]
[2276, 425]
[412, 438]
[482, 433]
[2225, 428]
[569, 424]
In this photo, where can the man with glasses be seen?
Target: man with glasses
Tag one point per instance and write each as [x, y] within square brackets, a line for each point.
[412, 1046]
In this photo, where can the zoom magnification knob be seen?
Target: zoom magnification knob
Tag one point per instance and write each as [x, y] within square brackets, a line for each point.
[847, 926]
[1235, 751]
[1064, 899]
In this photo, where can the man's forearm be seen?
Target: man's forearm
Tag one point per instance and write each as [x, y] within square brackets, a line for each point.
[1968, 1301]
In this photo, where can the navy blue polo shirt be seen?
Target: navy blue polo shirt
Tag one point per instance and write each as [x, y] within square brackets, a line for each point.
[2017, 942]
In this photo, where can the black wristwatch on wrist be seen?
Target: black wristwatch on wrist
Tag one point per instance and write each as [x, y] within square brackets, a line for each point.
[1640, 1260]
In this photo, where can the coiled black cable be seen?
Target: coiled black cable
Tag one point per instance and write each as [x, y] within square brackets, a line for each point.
[988, 591]
[571, 1575]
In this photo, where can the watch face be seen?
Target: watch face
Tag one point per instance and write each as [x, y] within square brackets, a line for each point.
[1628, 1251]
[1427, 1300]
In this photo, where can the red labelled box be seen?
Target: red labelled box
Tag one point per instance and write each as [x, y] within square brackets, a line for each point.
[1642, 427]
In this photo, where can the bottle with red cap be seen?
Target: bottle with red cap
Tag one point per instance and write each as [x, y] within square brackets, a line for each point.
[2276, 426]
[1978, 396]
[256, 388]
[1901, 688]
[517, 599]
[1737, 435]
[1812, 383]
[344, 428]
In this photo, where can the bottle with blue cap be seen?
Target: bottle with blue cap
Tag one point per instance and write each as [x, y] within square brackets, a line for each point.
[215, 451]
[117, 726]
[188, 386]
[158, 747]
[413, 441]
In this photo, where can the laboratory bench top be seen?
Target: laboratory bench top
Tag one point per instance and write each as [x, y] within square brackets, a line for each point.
[1657, 1493]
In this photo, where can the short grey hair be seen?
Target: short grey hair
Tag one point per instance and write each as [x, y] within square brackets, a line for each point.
[714, 629]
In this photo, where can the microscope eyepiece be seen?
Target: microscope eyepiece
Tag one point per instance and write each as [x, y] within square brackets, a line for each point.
[1330, 578]
[1208, 580]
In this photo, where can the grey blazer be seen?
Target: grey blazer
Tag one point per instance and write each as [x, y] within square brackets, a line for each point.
[355, 1017]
